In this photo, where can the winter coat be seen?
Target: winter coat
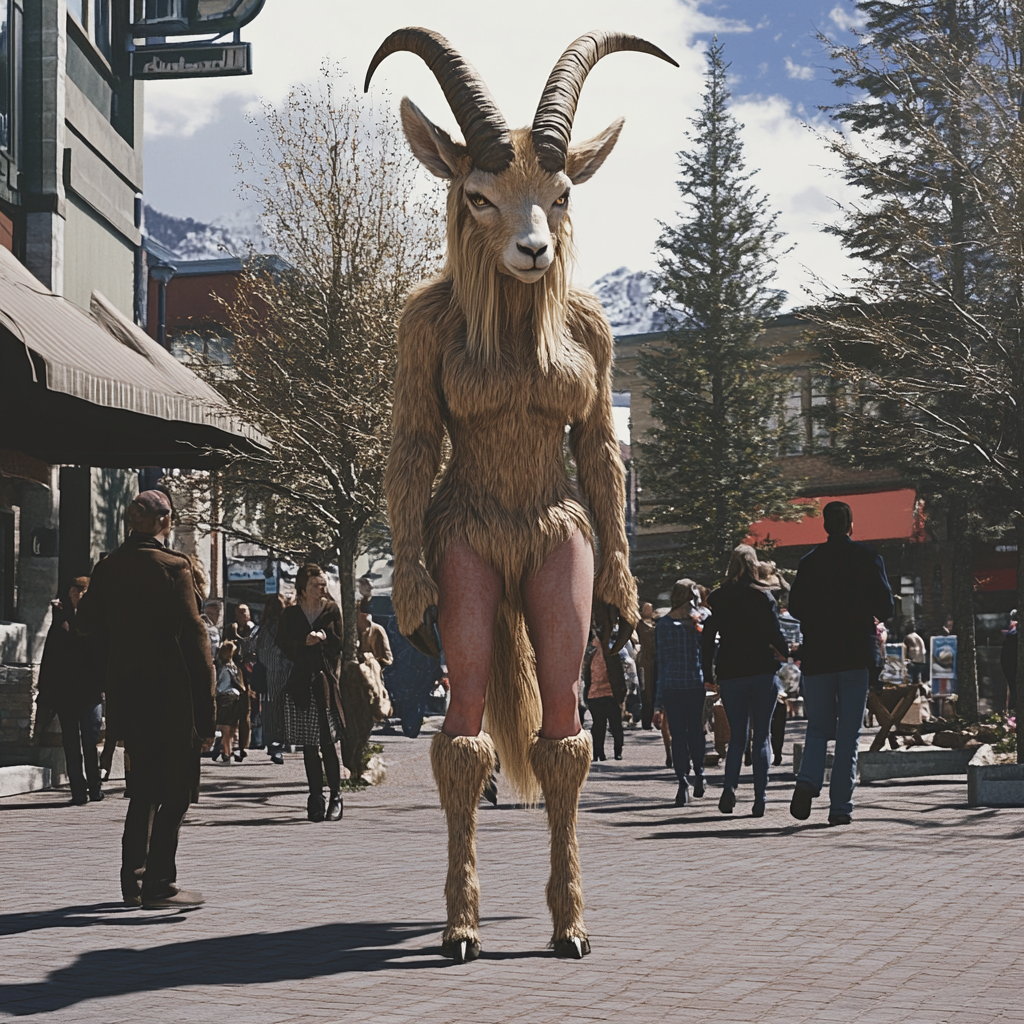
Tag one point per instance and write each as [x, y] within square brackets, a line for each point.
[141, 612]
[839, 591]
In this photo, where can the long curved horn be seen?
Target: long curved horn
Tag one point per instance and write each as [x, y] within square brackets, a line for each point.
[486, 133]
[552, 124]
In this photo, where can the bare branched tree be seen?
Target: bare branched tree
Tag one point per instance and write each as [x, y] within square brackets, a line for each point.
[931, 354]
[313, 350]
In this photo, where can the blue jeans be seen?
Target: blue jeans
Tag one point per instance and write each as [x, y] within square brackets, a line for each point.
[834, 703]
[750, 700]
[685, 712]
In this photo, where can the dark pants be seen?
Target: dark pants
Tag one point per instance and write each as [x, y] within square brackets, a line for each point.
[779, 716]
[321, 761]
[80, 732]
[685, 711]
[647, 689]
[750, 701]
[606, 713]
[149, 845]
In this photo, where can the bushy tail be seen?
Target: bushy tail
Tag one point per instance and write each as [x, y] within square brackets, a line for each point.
[513, 710]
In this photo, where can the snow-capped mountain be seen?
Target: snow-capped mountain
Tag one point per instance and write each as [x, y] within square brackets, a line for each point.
[188, 239]
[627, 298]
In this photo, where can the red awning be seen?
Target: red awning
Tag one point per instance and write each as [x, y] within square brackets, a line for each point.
[881, 515]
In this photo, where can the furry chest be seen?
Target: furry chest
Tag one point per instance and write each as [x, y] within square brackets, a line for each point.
[518, 386]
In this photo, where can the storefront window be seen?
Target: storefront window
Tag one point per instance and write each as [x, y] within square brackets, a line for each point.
[5, 74]
[76, 8]
[10, 74]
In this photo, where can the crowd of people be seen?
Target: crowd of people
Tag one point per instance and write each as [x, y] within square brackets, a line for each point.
[729, 649]
[729, 660]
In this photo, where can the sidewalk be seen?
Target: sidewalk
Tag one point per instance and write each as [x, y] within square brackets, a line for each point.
[912, 914]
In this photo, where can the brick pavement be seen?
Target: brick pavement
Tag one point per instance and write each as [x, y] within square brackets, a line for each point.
[911, 915]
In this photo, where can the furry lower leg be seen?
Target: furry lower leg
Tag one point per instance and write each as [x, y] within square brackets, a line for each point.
[461, 765]
[561, 767]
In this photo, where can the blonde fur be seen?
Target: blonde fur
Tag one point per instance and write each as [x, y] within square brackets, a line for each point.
[489, 298]
[562, 767]
[461, 766]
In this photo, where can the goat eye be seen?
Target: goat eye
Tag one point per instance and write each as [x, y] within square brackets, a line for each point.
[562, 200]
[477, 200]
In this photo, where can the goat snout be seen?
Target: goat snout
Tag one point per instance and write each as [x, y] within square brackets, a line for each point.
[532, 253]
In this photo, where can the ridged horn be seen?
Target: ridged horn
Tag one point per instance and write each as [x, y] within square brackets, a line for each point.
[484, 128]
[552, 124]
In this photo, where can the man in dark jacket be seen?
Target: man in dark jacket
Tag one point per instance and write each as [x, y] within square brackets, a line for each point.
[141, 606]
[71, 684]
[839, 591]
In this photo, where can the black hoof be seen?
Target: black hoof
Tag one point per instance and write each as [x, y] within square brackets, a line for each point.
[462, 952]
[571, 949]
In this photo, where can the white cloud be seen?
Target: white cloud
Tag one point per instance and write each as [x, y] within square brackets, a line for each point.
[800, 177]
[800, 71]
[846, 20]
[616, 214]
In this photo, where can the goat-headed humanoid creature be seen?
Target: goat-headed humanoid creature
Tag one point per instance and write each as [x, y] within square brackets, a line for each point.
[506, 356]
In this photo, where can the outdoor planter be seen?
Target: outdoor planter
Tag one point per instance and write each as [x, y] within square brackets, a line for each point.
[994, 785]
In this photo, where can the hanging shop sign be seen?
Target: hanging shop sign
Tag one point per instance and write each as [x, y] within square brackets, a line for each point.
[192, 17]
[196, 60]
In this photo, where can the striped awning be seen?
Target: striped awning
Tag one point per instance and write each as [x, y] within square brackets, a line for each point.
[101, 357]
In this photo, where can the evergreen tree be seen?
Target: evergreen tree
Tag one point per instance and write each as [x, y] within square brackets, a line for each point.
[710, 466]
[929, 355]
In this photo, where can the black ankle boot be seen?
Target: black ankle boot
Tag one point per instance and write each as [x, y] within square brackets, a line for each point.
[335, 808]
[698, 786]
[315, 809]
[727, 801]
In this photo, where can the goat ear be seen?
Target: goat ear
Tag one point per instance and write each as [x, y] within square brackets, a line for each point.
[432, 146]
[584, 158]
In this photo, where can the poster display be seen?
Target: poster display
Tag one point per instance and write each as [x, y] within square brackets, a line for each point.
[943, 665]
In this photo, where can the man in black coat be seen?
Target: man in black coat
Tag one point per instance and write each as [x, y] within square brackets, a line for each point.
[839, 591]
[71, 684]
[142, 607]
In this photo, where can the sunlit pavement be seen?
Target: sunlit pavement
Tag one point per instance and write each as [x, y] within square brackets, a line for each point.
[910, 914]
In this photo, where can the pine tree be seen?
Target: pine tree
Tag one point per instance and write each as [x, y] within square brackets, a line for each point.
[929, 355]
[710, 466]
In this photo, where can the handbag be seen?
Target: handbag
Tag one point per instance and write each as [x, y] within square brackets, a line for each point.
[259, 682]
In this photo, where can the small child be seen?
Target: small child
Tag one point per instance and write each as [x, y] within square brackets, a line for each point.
[229, 699]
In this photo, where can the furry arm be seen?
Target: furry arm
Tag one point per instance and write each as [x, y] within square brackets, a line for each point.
[599, 467]
[417, 430]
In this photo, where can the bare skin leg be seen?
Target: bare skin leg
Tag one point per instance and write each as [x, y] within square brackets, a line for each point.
[469, 594]
[556, 604]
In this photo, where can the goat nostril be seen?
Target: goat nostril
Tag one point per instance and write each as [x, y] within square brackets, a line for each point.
[534, 253]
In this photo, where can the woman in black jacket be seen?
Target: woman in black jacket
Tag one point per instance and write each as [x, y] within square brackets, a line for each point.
[310, 635]
[745, 620]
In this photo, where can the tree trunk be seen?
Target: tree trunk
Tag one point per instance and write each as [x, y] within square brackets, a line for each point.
[963, 613]
[347, 546]
[1018, 705]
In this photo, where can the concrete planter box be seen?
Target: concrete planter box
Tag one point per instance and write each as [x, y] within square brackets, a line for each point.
[912, 763]
[994, 785]
[23, 778]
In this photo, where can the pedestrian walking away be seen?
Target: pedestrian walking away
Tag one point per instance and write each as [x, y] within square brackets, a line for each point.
[745, 621]
[310, 636]
[646, 662]
[274, 667]
[141, 611]
[71, 685]
[839, 592]
[679, 694]
[604, 689]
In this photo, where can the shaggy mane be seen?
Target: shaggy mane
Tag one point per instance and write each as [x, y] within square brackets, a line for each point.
[495, 303]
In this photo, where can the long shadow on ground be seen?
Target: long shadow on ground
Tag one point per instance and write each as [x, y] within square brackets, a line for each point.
[256, 958]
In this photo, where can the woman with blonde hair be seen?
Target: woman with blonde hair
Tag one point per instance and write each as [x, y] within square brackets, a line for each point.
[745, 621]
[679, 691]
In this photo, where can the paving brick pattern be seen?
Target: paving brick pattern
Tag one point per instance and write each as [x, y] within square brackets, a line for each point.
[910, 915]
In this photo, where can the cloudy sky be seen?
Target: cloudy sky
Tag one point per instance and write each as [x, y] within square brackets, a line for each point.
[779, 79]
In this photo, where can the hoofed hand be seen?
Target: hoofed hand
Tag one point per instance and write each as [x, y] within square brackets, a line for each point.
[425, 638]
